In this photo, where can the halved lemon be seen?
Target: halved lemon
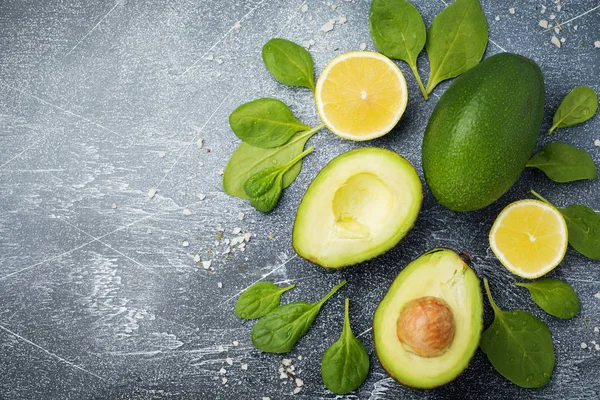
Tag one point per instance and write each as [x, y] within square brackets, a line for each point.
[361, 95]
[529, 238]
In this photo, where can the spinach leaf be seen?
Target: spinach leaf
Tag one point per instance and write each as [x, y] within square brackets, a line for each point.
[583, 225]
[289, 63]
[259, 299]
[248, 160]
[345, 364]
[398, 32]
[456, 41]
[519, 346]
[264, 187]
[265, 123]
[564, 163]
[555, 297]
[279, 330]
[579, 106]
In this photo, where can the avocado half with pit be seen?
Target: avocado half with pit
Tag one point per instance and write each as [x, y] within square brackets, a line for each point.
[427, 327]
[358, 207]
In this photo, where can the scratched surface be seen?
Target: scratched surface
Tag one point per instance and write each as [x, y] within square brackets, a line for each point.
[100, 294]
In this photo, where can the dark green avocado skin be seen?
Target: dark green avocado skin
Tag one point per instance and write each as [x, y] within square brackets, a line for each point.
[482, 132]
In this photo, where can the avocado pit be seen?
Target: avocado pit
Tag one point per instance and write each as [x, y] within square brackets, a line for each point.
[426, 326]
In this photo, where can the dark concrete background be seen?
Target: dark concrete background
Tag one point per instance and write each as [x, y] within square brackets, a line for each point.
[108, 303]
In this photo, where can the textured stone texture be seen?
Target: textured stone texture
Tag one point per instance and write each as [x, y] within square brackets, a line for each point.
[108, 303]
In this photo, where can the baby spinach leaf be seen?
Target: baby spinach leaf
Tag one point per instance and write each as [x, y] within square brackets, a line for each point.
[398, 32]
[583, 225]
[264, 187]
[265, 123]
[456, 41]
[289, 63]
[555, 297]
[259, 299]
[345, 365]
[519, 346]
[279, 330]
[564, 163]
[579, 106]
[247, 160]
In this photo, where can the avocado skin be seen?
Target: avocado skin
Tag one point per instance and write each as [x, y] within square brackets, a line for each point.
[482, 132]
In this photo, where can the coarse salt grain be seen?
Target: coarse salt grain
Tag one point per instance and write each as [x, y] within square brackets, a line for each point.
[299, 357]
[237, 25]
[222, 371]
[161, 154]
[299, 382]
[235, 343]
[286, 362]
[220, 285]
[328, 26]
[597, 44]
[229, 360]
[224, 380]
[297, 390]
[266, 398]
[200, 143]
[241, 216]
[114, 205]
[597, 295]
[220, 349]
[596, 330]
[152, 193]
[555, 41]
[206, 264]
[543, 23]
[187, 211]
[220, 171]
[597, 347]
[362, 46]
[584, 345]
[283, 375]
[236, 231]
[511, 10]
[342, 20]
[552, 16]
[201, 196]
[244, 367]
[556, 29]
[197, 258]
[497, 18]
[304, 8]
[185, 243]
[562, 39]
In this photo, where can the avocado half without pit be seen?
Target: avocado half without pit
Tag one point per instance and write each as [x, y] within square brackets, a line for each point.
[427, 327]
[358, 207]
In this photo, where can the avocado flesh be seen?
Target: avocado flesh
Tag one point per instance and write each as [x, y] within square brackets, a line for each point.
[359, 206]
[482, 132]
[440, 273]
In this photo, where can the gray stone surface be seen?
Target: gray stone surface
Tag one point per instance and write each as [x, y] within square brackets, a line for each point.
[99, 302]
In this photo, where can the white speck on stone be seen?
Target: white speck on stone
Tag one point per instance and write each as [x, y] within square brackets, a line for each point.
[286, 362]
[597, 144]
[597, 44]
[219, 61]
[161, 154]
[220, 171]
[201, 196]
[304, 8]
[244, 367]
[596, 330]
[224, 380]
[152, 193]
[185, 243]
[236, 231]
[221, 348]
[220, 228]
[206, 264]
[584, 345]
[200, 143]
[291, 368]
[555, 41]
[246, 236]
[237, 25]
[342, 20]
[187, 211]
[241, 216]
[556, 30]
[114, 205]
[551, 17]
[575, 27]
[229, 360]
[328, 26]
[235, 343]
[299, 382]
[306, 44]
[497, 18]
[362, 46]
[511, 10]
[597, 295]
[283, 375]
[297, 390]
[220, 285]
[543, 23]
[210, 57]
[197, 258]
[299, 357]
[562, 39]
[222, 371]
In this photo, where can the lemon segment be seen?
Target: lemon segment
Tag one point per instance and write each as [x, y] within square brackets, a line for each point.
[361, 95]
[530, 238]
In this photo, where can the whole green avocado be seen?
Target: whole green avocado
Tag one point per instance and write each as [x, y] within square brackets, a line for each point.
[482, 132]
